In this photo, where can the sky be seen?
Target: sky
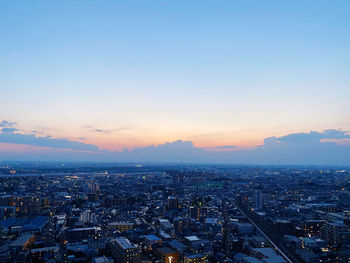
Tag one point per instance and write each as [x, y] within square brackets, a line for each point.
[115, 80]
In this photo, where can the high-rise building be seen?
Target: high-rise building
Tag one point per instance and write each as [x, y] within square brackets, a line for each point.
[173, 203]
[94, 187]
[87, 216]
[198, 213]
[257, 199]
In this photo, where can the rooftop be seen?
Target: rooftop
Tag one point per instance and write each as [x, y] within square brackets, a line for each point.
[152, 238]
[192, 238]
[22, 240]
[124, 243]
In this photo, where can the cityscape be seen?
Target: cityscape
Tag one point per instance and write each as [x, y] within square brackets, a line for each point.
[66, 212]
[174, 131]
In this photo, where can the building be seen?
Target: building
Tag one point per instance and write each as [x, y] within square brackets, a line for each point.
[123, 251]
[77, 239]
[267, 255]
[335, 233]
[249, 259]
[195, 258]
[151, 240]
[198, 213]
[23, 242]
[102, 259]
[178, 246]
[7, 212]
[87, 216]
[259, 241]
[173, 203]
[94, 187]
[37, 254]
[257, 199]
[212, 225]
[121, 226]
[165, 225]
[18, 225]
[183, 225]
[245, 228]
[167, 255]
[28, 205]
[37, 224]
[198, 245]
[313, 227]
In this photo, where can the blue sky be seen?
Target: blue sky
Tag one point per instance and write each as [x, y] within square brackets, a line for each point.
[129, 74]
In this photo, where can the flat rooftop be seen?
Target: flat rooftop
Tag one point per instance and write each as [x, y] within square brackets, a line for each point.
[152, 238]
[20, 242]
[124, 243]
[192, 238]
[120, 224]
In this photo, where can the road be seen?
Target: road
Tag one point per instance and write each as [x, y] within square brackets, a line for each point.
[283, 251]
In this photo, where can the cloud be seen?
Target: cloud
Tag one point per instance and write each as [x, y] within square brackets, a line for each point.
[167, 152]
[335, 134]
[226, 147]
[101, 131]
[297, 148]
[306, 148]
[311, 137]
[7, 124]
[110, 130]
[221, 148]
[31, 139]
[9, 130]
[38, 132]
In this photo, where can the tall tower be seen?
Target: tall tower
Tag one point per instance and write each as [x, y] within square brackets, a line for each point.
[257, 199]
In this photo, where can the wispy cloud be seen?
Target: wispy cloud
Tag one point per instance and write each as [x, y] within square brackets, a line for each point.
[101, 131]
[5, 123]
[105, 131]
[47, 141]
[226, 147]
[9, 130]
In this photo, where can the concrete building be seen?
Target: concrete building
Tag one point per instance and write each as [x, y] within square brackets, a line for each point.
[257, 199]
[195, 258]
[335, 233]
[123, 251]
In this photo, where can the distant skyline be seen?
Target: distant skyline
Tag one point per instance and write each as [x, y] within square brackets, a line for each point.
[214, 80]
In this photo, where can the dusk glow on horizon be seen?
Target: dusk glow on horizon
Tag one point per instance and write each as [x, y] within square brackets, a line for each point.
[224, 76]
